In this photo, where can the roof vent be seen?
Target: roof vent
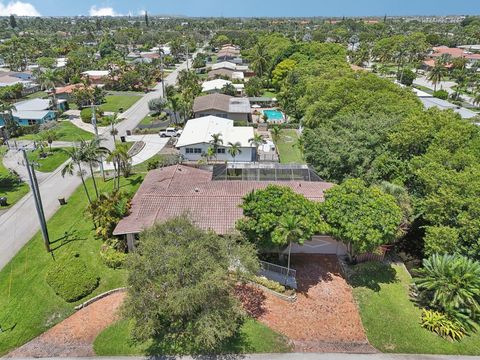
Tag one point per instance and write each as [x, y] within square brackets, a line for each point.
[197, 190]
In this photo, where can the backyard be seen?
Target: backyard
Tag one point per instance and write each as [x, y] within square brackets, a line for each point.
[66, 131]
[13, 192]
[55, 157]
[287, 147]
[29, 306]
[391, 319]
[114, 103]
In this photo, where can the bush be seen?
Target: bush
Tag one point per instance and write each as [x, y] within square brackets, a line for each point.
[153, 164]
[442, 325]
[111, 257]
[86, 115]
[407, 77]
[269, 284]
[441, 94]
[71, 279]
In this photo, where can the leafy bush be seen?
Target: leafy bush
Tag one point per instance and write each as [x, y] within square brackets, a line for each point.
[442, 325]
[71, 279]
[407, 77]
[111, 257]
[441, 94]
[153, 164]
[450, 284]
[269, 284]
[86, 115]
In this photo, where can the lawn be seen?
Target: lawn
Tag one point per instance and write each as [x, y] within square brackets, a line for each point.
[66, 132]
[391, 320]
[37, 95]
[28, 306]
[269, 93]
[55, 158]
[286, 146]
[12, 193]
[113, 103]
[254, 337]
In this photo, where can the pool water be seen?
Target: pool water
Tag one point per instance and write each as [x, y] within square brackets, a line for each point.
[273, 115]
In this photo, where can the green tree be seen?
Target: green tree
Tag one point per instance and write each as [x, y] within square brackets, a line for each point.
[49, 136]
[281, 71]
[257, 141]
[441, 240]
[77, 157]
[234, 149]
[180, 287]
[253, 87]
[437, 74]
[361, 217]
[229, 89]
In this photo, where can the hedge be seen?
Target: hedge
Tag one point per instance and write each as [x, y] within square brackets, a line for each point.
[71, 279]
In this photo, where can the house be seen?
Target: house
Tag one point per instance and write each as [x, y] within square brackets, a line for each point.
[9, 78]
[96, 77]
[214, 86]
[430, 101]
[64, 92]
[224, 106]
[195, 139]
[226, 73]
[35, 112]
[454, 53]
[212, 204]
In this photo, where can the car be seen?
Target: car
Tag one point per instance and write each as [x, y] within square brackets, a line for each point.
[170, 132]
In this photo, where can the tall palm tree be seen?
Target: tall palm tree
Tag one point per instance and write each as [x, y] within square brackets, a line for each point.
[47, 81]
[121, 160]
[175, 107]
[210, 154]
[275, 131]
[113, 120]
[437, 74]
[234, 149]
[77, 155]
[7, 109]
[259, 57]
[257, 141]
[93, 154]
[290, 229]
[216, 142]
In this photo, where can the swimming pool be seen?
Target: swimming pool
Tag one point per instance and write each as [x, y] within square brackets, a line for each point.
[273, 115]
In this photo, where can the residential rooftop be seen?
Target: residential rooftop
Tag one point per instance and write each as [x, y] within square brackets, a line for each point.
[222, 102]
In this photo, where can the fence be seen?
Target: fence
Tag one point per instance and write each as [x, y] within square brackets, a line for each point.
[377, 256]
[278, 269]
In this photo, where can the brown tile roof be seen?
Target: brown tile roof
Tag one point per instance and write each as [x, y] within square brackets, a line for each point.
[220, 72]
[214, 101]
[215, 205]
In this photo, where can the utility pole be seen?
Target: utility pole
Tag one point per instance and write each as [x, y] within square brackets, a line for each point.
[94, 123]
[38, 201]
[163, 78]
[186, 46]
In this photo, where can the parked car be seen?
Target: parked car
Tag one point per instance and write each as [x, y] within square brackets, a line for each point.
[170, 132]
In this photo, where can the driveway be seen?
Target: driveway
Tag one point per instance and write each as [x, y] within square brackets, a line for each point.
[325, 317]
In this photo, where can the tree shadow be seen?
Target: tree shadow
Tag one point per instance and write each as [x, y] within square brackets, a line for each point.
[313, 269]
[69, 236]
[133, 180]
[371, 275]
[252, 299]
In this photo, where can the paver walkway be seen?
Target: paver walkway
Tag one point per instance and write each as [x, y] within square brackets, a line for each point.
[75, 335]
[325, 317]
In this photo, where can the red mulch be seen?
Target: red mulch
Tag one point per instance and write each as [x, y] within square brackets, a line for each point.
[323, 319]
[74, 336]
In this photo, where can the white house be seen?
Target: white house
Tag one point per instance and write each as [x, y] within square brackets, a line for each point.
[197, 135]
[214, 86]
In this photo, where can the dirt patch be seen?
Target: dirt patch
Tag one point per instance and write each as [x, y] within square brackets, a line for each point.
[325, 317]
[75, 335]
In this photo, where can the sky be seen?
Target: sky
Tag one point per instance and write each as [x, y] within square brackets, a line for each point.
[238, 8]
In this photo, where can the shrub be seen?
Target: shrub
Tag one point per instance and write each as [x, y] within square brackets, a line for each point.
[111, 257]
[450, 284]
[269, 284]
[441, 94]
[442, 325]
[71, 279]
[153, 164]
[86, 115]
[407, 77]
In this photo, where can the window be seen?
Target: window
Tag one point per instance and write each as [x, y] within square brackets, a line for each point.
[32, 122]
[197, 150]
[220, 151]
[188, 151]
[193, 151]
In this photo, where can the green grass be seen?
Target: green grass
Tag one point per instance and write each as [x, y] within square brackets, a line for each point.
[269, 93]
[55, 158]
[285, 146]
[28, 306]
[254, 337]
[66, 132]
[113, 103]
[37, 95]
[392, 321]
[12, 193]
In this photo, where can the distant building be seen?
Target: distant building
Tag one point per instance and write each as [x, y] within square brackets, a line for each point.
[35, 112]
[216, 86]
[96, 77]
[230, 74]
[197, 134]
[224, 106]
[454, 53]
[429, 101]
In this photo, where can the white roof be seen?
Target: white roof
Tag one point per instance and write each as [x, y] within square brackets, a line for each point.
[99, 73]
[216, 84]
[30, 115]
[238, 75]
[224, 65]
[200, 131]
[33, 105]
[445, 105]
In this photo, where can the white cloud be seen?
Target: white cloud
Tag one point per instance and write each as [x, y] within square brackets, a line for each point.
[18, 8]
[103, 11]
[142, 12]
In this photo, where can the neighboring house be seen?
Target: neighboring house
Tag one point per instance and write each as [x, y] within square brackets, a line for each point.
[231, 74]
[96, 77]
[224, 106]
[65, 91]
[8, 78]
[216, 86]
[211, 204]
[453, 53]
[195, 139]
[35, 112]
[430, 101]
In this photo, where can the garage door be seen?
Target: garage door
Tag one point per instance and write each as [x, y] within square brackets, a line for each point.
[320, 245]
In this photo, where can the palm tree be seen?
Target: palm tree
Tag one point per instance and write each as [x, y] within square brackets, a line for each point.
[437, 74]
[77, 155]
[113, 120]
[121, 160]
[216, 142]
[259, 58]
[211, 153]
[7, 109]
[47, 81]
[49, 136]
[256, 141]
[175, 105]
[275, 131]
[234, 149]
[290, 229]
[93, 154]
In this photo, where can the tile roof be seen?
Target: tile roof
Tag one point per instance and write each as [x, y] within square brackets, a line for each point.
[215, 205]
[454, 52]
[221, 102]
